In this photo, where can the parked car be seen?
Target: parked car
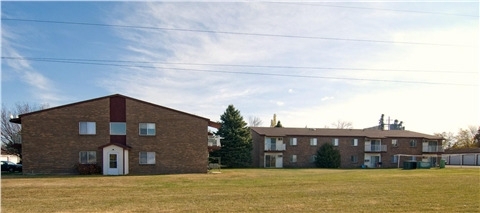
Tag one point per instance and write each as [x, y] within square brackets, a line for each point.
[11, 166]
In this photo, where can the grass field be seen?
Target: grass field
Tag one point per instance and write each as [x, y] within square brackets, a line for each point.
[250, 190]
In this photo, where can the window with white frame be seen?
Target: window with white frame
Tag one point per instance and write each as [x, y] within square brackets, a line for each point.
[293, 141]
[87, 128]
[394, 143]
[355, 142]
[413, 143]
[146, 129]
[313, 141]
[354, 159]
[147, 158]
[335, 142]
[395, 159]
[118, 128]
[87, 157]
[293, 158]
[313, 158]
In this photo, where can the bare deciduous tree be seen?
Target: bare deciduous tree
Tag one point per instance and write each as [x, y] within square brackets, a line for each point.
[254, 121]
[11, 132]
[342, 124]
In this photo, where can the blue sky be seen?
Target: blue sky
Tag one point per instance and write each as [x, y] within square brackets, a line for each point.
[310, 63]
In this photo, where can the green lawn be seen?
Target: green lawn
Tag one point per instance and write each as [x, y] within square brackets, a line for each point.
[250, 190]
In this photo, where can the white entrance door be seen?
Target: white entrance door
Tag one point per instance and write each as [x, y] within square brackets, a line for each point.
[112, 163]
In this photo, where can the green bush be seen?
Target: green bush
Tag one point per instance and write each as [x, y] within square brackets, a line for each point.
[327, 157]
[88, 169]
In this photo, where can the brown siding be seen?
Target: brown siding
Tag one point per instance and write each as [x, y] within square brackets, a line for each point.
[51, 141]
[180, 142]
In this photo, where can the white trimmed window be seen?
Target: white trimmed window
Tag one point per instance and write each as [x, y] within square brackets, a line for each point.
[146, 129]
[355, 142]
[335, 142]
[394, 143]
[87, 157]
[87, 128]
[313, 141]
[354, 159]
[118, 128]
[293, 141]
[293, 158]
[413, 143]
[147, 158]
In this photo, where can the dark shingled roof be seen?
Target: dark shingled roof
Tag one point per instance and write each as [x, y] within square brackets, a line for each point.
[369, 133]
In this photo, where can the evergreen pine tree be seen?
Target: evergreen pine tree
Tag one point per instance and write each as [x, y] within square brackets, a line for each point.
[237, 141]
[328, 157]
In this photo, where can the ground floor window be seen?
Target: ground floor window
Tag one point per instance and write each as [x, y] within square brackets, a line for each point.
[147, 157]
[394, 159]
[293, 158]
[354, 159]
[87, 157]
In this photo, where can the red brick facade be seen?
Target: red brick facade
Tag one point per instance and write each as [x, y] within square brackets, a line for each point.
[353, 154]
[51, 140]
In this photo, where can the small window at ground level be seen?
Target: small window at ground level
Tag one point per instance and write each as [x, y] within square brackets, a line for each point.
[313, 158]
[147, 128]
[87, 157]
[147, 157]
[293, 158]
[395, 159]
[354, 159]
[87, 128]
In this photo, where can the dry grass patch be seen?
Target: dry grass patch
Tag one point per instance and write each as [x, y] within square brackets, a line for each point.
[250, 190]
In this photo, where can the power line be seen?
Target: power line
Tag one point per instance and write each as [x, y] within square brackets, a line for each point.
[233, 33]
[372, 8]
[260, 73]
[46, 59]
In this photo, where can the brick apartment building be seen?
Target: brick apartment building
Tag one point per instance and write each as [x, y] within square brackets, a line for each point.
[297, 147]
[122, 135]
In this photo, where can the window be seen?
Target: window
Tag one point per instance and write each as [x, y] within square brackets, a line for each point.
[293, 141]
[87, 128]
[118, 128]
[394, 143]
[293, 158]
[87, 157]
[313, 158]
[335, 142]
[354, 159]
[147, 157]
[413, 143]
[313, 141]
[395, 159]
[413, 158]
[146, 128]
[355, 142]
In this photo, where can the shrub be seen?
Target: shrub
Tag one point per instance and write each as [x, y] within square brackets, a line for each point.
[88, 169]
[328, 157]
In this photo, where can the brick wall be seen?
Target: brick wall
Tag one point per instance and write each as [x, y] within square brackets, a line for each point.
[50, 139]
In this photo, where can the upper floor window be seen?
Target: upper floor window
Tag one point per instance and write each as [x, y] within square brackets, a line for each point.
[313, 141]
[87, 157]
[355, 142]
[87, 128]
[293, 141]
[118, 128]
[335, 142]
[413, 143]
[147, 128]
[394, 142]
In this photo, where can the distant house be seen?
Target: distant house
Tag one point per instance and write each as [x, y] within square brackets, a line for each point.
[7, 156]
[297, 147]
[120, 134]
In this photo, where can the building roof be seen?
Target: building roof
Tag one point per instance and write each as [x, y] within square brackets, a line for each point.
[323, 132]
[19, 119]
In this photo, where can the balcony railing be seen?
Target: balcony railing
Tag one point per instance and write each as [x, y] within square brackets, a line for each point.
[214, 141]
[430, 148]
[277, 147]
[375, 148]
